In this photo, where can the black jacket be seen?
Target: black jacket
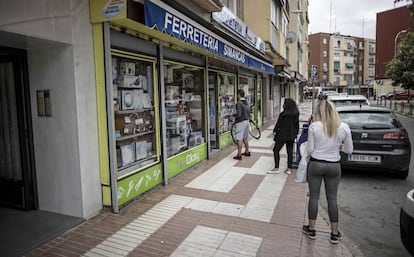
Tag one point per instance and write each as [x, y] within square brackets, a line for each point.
[287, 127]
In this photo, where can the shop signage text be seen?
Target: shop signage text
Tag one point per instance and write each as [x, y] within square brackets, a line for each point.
[188, 32]
[191, 32]
[226, 18]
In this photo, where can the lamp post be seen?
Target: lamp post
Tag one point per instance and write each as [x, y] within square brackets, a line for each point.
[395, 55]
[395, 41]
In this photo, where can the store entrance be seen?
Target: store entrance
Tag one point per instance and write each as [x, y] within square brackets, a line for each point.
[17, 187]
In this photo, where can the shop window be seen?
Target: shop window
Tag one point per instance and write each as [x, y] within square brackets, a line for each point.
[259, 102]
[134, 113]
[185, 105]
[227, 101]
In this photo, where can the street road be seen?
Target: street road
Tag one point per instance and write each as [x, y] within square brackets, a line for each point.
[369, 209]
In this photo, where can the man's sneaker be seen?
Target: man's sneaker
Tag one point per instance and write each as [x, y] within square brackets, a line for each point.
[246, 154]
[237, 157]
[335, 238]
[311, 233]
[274, 171]
[288, 171]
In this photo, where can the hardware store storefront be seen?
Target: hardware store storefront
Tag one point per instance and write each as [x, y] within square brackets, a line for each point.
[166, 89]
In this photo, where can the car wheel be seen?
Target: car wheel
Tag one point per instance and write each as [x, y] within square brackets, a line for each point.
[401, 174]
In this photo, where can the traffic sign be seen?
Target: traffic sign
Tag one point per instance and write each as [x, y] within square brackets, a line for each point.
[314, 71]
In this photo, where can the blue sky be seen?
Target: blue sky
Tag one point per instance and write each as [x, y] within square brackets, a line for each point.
[349, 17]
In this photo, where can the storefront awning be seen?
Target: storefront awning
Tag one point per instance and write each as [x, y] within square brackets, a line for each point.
[168, 20]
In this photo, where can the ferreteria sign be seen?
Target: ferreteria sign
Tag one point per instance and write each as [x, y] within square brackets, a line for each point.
[178, 25]
[230, 21]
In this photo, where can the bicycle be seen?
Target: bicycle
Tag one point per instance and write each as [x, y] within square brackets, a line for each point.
[254, 130]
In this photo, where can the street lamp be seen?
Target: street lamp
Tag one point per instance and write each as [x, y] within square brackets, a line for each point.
[395, 55]
[395, 41]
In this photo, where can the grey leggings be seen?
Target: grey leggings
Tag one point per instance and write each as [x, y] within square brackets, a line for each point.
[330, 173]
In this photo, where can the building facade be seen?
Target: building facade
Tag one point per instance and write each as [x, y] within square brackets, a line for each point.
[105, 100]
[49, 134]
[391, 27]
[298, 49]
[345, 63]
[283, 25]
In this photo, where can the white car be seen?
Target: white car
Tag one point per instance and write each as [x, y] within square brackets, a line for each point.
[341, 100]
[407, 222]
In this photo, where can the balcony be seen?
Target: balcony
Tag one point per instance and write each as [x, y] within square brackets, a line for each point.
[209, 5]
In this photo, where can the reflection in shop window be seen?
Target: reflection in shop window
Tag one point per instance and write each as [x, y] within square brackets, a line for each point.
[227, 102]
[184, 104]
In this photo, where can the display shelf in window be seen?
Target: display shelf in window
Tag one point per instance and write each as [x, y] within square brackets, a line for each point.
[134, 112]
[184, 105]
[227, 101]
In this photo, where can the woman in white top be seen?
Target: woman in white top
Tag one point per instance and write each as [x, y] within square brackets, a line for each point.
[327, 136]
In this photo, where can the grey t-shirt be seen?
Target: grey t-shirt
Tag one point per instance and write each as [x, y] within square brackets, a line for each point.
[242, 111]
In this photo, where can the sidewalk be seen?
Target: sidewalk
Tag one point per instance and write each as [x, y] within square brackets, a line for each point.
[222, 207]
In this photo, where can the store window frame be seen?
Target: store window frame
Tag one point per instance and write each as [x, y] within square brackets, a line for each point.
[190, 130]
[136, 121]
[259, 101]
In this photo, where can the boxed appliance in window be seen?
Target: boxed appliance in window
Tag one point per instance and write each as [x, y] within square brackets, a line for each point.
[127, 154]
[132, 99]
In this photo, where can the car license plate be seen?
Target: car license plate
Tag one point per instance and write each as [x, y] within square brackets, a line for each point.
[364, 158]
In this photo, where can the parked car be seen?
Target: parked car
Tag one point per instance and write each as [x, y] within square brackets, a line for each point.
[381, 142]
[329, 92]
[407, 222]
[384, 96]
[401, 95]
[340, 100]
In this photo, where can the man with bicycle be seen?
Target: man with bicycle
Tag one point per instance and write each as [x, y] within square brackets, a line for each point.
[242, 124]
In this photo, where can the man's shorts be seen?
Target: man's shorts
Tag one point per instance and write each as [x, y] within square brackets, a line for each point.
[242, 130]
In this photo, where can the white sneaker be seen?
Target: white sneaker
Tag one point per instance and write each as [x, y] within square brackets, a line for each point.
[288, 171]
[274, 171]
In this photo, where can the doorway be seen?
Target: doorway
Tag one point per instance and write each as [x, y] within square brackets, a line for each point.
[17, 175]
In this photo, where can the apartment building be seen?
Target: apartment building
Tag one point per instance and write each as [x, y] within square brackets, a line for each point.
[345, 63]
[297, 53]
[283, 25]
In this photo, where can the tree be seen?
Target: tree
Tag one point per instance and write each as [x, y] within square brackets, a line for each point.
[401, 69]
[411, 8]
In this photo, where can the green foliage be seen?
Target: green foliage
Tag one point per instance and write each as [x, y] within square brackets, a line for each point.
[401, 69]
[411, 8]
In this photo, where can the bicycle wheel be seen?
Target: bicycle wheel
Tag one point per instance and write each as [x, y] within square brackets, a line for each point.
[233, 133]
[254, 130]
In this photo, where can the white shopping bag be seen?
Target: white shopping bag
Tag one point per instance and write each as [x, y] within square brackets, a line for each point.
[302, 170]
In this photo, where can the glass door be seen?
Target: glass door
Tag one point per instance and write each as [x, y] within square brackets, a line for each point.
[212, 112]
[16, 178]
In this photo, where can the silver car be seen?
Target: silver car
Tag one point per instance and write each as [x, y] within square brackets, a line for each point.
[407, 222]
[340, 100]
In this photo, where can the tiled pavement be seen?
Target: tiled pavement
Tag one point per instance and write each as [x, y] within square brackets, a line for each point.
[221, 208]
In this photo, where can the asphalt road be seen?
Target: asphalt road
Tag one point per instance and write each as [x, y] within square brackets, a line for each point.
[369, 209]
